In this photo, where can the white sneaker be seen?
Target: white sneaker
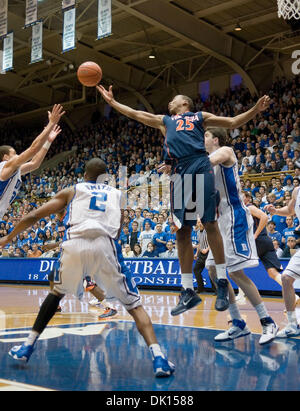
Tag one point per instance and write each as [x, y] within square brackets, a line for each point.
[94, 301]
[291, 330]
[241, 298]
[238, 329]
[270, 330]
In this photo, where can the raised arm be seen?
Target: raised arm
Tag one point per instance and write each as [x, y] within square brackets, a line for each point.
[149, 119]
[210, 120]
[223, 155]
[37, 160]
[59, 202]
[18, 160]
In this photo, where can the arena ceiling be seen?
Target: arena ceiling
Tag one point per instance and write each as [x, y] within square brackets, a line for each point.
[189, 39]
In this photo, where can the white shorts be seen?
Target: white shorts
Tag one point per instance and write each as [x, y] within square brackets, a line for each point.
[96, 258]
[293, 267]
[239, 245]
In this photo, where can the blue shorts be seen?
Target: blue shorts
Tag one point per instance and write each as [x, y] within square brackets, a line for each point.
[267, 253]
[193, 191]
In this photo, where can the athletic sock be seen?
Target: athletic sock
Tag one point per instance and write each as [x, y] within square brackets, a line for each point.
[47, 311]
[32, 337]
[221, 271]
[234, 312]
[292, 317]
[155, 351]
[261, 311]
[187, 280]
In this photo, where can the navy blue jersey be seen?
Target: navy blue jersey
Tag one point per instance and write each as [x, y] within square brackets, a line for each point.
[184, 135]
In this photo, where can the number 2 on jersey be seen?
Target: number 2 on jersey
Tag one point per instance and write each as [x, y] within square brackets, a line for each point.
[97, 201]
[184, 125]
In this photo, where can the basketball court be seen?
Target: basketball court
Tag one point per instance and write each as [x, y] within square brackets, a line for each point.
[79, 352]
[149, 50]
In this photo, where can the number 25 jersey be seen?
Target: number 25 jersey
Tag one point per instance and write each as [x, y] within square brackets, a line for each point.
[184, 135]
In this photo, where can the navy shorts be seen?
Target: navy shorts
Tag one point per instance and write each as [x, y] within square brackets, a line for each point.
[267, 253]
[193, 191]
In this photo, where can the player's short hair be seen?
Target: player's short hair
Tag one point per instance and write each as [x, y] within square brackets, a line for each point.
[189, 101]
[220, 133]
[4, 150]
[94, 168]
[247, 194]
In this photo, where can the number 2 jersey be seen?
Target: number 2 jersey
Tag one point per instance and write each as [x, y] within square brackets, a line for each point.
[8, 189]
[95, 210]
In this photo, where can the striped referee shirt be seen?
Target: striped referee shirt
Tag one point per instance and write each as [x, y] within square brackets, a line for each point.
[202, 238]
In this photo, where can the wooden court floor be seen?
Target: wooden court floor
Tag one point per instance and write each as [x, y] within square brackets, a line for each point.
[20, 305]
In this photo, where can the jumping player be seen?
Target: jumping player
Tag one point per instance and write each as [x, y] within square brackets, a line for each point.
[184, 150]
[292, 271]
[236, 226]
[93, 221]
[13, 166]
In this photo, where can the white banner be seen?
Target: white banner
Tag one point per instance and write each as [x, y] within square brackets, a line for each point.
[68, 3]
[69, 29]
[104, 18]
[3, 18]
[37, 42]
[31, 12]
[8, 52]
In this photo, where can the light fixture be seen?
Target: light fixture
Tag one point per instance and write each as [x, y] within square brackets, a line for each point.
[152, 55]
[238, 27]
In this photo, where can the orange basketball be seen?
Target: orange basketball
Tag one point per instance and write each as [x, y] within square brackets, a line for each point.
[89, 74]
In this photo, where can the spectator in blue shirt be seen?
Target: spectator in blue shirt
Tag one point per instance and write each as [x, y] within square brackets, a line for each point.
[124, 236]
[150, 252]
[289, 231]
[272, 233]
[280, 223]
[160, 239]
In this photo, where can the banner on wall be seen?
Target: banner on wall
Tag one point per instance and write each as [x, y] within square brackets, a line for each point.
[68, 3]
[8, 52]
[37, 42]
[31, 12]
[154, 272]
[104, 18]
[69, 30]
[3, 18]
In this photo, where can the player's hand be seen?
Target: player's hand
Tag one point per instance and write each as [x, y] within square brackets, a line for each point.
[263, 103]
[270, 208]
[106, 94]
[3, 241]
[54, 133]
[55, 115]
[164, 168]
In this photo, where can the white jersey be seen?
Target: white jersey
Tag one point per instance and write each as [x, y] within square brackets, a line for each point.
[297, 205]
[94, 210]
[8, 189]
[235, 220]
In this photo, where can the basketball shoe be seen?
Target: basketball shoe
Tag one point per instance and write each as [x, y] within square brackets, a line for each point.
[187, 300]
[162, 367]
[222, 302]
[108, 312]
[21, 352]
[291, 330]
[270, 330]
[237, 330]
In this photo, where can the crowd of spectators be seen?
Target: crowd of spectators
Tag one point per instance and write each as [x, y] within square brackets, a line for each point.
[132, 152]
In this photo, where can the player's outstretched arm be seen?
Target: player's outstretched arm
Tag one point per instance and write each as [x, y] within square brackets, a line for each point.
[210, 120]
[37, 160]
[149, 119]
[286, 210]
[59, 202]
[223, 156]
[17, 161]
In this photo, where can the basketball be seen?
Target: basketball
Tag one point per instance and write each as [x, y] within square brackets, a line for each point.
[89, 74]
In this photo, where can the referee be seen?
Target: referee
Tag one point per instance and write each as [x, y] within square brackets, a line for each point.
[200, 257]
